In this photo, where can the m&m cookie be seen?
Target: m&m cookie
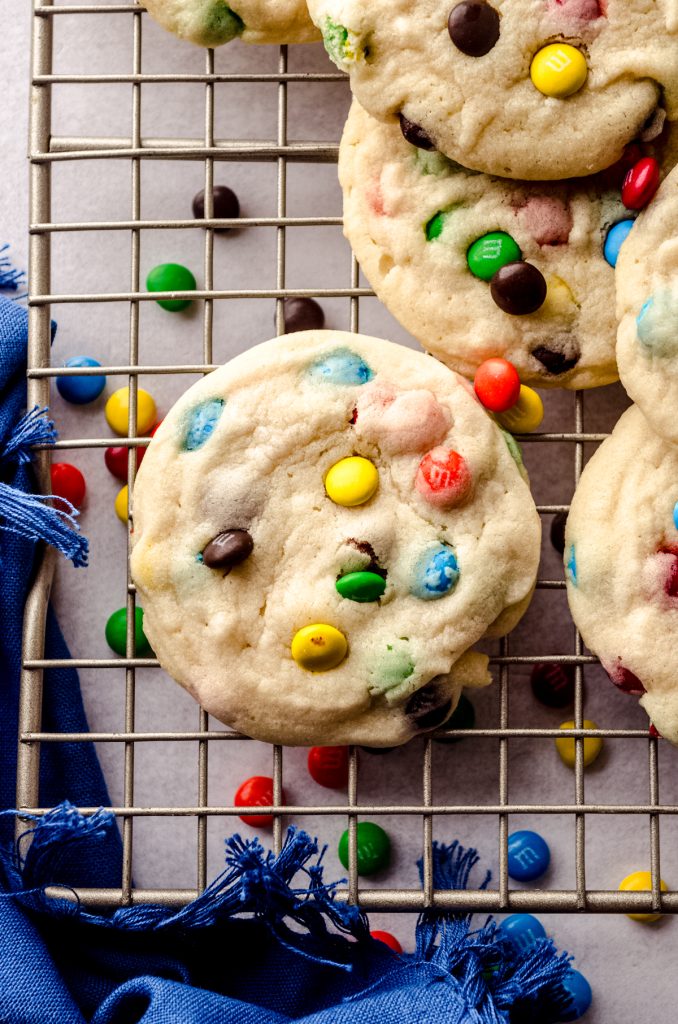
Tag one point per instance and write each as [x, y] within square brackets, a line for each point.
[538, 89]
[323, 528]
[215, 22]
[621, 565]
[647, 307]
[478, 267]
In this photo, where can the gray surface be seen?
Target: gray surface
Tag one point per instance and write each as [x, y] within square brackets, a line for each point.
[612, 951]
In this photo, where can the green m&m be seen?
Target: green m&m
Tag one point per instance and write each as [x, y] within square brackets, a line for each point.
[171, 277]
[490, 253]
[116, 633]
[361, 586]
[373, 848]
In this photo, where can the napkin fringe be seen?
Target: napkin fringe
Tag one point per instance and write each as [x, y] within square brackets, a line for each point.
[32, 515]
[493, 980]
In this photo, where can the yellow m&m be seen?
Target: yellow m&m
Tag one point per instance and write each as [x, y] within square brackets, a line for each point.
[641, 881]
[121, 503]
[559, 70]
[319, 647]
[566, 747]
[352, 481]
[526, 415]
[117, 411]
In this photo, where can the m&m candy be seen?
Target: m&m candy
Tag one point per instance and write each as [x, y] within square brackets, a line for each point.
[526, 415]
[319, 647]
[67, 482]
[578, 996]
[474, 27]
[302, 314]
[388, 940]
[373, 848]
[116, 633]
[566, 746]
[171, 277]
[328, 766]
[120, 505]
[519, 288]
[81, 390]
[553, 685]
[361, 586]
[225, 205]
[523, 930]
[116, 459]
[614, 240]
[641, 881]
[436, 573]
[255, 792]
[228, 549]
[351, 482]
[490, 253]
[443, 478]
[117, 411]
[528, 856]
[559, 70]
[641, 183]
[497, 384]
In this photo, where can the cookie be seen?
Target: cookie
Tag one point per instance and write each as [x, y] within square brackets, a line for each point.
[647, 307]
[621, 564]
[429, 235]
[322, 528]
[214, 22]
[535, 89]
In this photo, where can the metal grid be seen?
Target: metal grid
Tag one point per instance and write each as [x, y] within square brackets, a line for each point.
[45, 150]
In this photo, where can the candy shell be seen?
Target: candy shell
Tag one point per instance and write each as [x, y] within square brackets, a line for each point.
[443, 478]
[559, 70]
[526, 415]
[361, 586]
[523, 930]
[373, 848]
[328, 766]
[116, 459]
[497, 384]
[319, 647]
[81, 390]
[256, 792]
[341, 367]
[566, 746]
[641, 881]
[614, 240]
[121, 504]
[490, 253]
[351, 482]
[116, 633]
[641, 183]
[117, 411]
[528, 856]
[580, 996]
[171, 277]
[202, 422]
[69, 483]
[436, 573]
[388, 940]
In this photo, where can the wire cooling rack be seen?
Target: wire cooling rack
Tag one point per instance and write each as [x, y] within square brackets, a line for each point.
[207, 148]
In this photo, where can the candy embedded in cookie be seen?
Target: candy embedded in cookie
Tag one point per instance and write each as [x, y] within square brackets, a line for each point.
[477, 267]
[621, 554]
[215, 22]
[541, 90]
[323, 528]
[647, 307]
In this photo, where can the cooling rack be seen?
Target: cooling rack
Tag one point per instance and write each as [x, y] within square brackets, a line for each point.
[209, 149]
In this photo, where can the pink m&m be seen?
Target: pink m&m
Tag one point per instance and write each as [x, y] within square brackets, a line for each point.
[443, 478]
[497, 384]
[640, 183]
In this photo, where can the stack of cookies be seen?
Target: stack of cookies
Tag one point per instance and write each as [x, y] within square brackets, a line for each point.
[325, 527]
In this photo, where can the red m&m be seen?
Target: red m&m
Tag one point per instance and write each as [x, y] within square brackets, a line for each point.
[641, 183]
[443, 478]
[255, 792]
[388, 940]
[69, 483]
[497, 384]
[328, 766]
[116, 460]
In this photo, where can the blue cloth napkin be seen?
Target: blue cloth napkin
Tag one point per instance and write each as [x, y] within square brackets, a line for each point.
[266, 943]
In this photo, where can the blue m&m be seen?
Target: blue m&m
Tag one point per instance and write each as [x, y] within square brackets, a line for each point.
[523, 930]
[616, 237]
[81, 390]
[578, 996]
[436, 573]
[202, 422]
[342, 367]
[528, 856]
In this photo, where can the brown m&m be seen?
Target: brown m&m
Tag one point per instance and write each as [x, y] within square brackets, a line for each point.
[518, 288]
[414, 134]
[228, 549]
[225, 205]
[302, 314]
[474, 27]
